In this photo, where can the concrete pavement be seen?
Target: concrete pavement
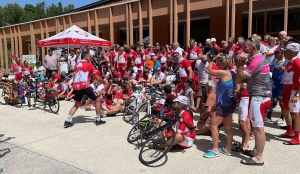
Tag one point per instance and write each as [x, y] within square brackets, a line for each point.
[34, 141]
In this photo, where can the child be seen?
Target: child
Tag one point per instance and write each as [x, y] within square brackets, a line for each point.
[189, 93]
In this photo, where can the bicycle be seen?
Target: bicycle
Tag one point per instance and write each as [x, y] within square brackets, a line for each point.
[42, 94]
[156, 135]
[11, 93]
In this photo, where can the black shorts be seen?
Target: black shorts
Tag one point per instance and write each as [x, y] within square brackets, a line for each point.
[89, 92]
[224, 112]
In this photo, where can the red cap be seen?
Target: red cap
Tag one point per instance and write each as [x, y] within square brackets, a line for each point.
[13, 56]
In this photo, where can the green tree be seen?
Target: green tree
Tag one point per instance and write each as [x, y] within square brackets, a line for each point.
[54, 10]
[1, 17]
[12, 14]
[69, 7]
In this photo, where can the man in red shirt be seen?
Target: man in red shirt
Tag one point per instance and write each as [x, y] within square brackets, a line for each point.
[122, 61]
[131, 55]
[185, 69]
[213, 41]
[194, 53]
[81, 86]
[291, 93]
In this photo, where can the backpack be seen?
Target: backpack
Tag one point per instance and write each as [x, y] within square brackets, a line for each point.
[196, 82]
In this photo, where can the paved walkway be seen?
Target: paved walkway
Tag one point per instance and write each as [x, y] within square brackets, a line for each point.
[34, 141]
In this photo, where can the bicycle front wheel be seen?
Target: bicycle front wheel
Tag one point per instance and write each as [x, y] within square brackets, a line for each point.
[53, 104]
[140, 129]
[151, 150]
[4, 97]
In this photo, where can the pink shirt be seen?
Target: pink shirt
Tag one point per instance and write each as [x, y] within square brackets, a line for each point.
[50, 62]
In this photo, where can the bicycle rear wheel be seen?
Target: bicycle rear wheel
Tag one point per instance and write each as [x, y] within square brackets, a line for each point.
[151, 155]
[140, 129]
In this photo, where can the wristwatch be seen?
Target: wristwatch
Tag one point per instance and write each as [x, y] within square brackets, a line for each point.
[297, 95]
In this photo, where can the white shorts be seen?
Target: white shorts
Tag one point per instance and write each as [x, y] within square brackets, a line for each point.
[294, 107]
[187, 143]
[258, 106]
[243, 108]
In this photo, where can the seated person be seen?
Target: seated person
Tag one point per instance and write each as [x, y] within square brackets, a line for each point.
[203, 122]
[117, 100]
[61, 90]
[184, 135]
[159, 77]
[98, 88]
[27, 70]
[39, 71]
[127, 91]
[54, 79]
[146, 78]
[63, 76]
[123, 73]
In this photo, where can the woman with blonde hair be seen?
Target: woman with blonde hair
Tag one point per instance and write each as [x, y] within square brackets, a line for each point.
[225, 104]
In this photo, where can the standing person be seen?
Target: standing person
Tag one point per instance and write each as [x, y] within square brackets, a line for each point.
[81, 86]
[213, 41]
[291, 93]
[185, 69]
[224, 104]
[122, 61]
[270, 52]
[63, 62]
[72, 61]
[200, 67]
[194, 53]
[50, 63]
[189, 94]
[260, 92]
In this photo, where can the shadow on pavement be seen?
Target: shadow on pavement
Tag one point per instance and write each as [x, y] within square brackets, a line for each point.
[82, 119]
[5, 151]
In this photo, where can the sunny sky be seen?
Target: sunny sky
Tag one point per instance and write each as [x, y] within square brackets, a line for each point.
[77, 3]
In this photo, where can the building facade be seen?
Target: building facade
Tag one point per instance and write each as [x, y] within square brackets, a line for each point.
[164, 21]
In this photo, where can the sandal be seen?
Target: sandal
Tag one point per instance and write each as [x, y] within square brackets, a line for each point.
[237, 143]
[237, 149]
[251, 162]
[248, 153]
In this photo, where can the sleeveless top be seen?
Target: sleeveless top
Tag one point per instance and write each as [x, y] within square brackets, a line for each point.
[225, 91]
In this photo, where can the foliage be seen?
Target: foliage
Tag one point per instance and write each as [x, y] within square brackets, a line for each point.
[13, 13]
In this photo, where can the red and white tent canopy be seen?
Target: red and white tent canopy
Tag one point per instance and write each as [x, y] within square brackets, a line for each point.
[73, 37]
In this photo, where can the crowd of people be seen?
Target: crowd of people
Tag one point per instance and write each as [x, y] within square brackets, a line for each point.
[253, 74]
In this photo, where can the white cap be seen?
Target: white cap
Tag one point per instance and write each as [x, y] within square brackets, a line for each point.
[293, 47]
[182, 99]
[213, 39]
[207, 39]
[162, 101]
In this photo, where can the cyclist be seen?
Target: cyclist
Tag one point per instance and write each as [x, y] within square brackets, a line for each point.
[81, 86]
[185, 134]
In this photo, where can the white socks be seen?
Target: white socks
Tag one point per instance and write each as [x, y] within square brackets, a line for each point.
[98, 118]
[69, 118]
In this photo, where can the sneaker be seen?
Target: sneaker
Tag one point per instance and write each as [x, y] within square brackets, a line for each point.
[100, 122]
[68, 124]
[280, 122]
[268, 120]
[31, 108]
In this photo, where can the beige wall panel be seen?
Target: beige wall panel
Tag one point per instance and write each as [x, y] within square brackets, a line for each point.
[80, 20]
[119, 13]
[181, 5]
[103, 16]
[145, 7]
[135, 10]
[160, 7]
